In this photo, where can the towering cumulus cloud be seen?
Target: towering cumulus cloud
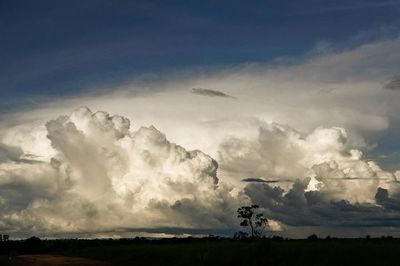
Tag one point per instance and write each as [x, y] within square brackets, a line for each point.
[102, 176]
[331, 184]
[90, 173]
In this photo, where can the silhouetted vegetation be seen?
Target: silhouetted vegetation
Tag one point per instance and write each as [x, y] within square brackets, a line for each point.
[253, 219]
[215, 250]
[312, 237]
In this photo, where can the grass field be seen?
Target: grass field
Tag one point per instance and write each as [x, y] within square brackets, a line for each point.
[4, 260]
[248, 253]
[229, 252]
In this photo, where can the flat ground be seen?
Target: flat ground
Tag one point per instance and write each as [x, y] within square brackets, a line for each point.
[207, 252]
[301, 252]
[53, 260]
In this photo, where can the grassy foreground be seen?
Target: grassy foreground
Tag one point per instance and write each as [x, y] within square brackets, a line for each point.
[229, 252]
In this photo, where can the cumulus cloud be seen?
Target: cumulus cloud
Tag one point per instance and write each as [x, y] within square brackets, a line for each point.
[103, 175]
[99, 175]
[332, 185]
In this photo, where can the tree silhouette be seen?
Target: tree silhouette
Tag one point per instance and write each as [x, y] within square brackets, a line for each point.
[240, 235]
[256, 221]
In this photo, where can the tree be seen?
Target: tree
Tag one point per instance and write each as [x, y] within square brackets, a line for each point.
[312, 237]
[240, 235]
[256, 221]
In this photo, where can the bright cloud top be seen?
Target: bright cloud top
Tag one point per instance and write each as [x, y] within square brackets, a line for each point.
[317, 178]
[104, 176]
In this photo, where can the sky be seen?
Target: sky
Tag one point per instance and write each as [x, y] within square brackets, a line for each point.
[161, 118]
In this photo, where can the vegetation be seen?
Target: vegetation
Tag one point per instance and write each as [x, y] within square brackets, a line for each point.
[255, 220]
[219, 251]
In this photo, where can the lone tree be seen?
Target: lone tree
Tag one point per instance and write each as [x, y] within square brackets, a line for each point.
[250, 217]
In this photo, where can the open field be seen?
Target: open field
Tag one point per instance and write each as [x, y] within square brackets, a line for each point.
[50, 260]
[215, 252]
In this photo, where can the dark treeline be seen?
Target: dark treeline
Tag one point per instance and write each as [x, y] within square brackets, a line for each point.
[215, 250]
[35, 245]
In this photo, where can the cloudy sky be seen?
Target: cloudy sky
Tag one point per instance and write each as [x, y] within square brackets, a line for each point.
[121, 118]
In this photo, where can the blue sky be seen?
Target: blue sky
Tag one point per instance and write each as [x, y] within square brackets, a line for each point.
[50, 48]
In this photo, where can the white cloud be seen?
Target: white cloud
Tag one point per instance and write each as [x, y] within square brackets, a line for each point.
[281, 153]
[103, 175]
[346, 190]
[288, 121]
[336, 89]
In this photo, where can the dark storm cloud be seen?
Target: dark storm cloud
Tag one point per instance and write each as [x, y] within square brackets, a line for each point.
[300, 207]
[391, 203]
[210, 93]
[178, 231]
[182, 231]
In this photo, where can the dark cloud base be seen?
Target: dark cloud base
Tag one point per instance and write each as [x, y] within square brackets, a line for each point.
[299, 207]
[210, 93]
